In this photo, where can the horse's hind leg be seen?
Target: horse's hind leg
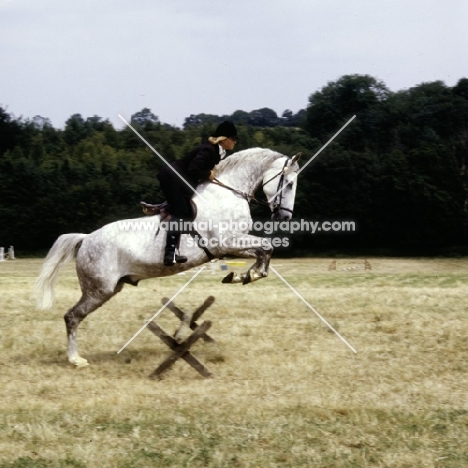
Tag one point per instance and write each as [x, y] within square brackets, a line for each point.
[76, 315]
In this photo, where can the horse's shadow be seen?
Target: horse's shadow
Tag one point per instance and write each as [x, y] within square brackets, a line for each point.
[210, 351]
[126, 357]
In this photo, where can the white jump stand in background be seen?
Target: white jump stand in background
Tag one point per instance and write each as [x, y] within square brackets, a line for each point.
[10, 254]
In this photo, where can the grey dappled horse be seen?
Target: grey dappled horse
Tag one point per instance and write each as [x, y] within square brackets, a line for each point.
[131, 250]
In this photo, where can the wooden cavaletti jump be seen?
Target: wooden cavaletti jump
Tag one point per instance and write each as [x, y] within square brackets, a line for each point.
[353, 266]
[180, 344]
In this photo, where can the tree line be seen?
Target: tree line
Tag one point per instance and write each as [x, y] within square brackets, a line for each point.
[399, 170]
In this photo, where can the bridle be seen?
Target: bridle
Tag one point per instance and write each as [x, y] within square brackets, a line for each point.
[279, 190]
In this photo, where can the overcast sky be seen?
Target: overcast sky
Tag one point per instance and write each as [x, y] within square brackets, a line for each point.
[182, 57]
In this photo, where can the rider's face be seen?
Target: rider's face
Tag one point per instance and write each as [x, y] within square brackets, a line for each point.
[229, 143]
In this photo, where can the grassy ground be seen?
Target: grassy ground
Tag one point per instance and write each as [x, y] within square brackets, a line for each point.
[286, 392]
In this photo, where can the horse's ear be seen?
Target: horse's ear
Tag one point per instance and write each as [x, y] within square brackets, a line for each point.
[296, 158]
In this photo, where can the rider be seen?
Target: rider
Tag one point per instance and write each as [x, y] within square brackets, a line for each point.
[194, 167]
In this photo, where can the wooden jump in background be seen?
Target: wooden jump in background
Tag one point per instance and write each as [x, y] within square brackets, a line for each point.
[366, 266]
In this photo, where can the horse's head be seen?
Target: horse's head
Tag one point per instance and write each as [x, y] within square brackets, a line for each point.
[279, 186]
[246, 170]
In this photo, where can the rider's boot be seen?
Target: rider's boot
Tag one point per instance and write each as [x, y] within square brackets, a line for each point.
[172, 240]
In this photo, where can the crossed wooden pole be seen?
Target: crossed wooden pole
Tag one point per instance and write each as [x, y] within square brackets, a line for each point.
[181, 345]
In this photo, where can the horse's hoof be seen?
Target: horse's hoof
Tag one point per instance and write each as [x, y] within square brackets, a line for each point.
[79, 361]
[232, 278]
[228, 278]
[252, 276]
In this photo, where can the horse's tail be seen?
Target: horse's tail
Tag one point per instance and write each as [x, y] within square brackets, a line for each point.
[63, 251]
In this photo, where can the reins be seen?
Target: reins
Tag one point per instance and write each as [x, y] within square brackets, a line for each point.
[249, 198]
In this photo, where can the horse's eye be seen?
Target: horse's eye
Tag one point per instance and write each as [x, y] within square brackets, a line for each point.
[289, 186]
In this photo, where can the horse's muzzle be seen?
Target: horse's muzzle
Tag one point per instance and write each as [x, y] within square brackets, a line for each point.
[281, 215]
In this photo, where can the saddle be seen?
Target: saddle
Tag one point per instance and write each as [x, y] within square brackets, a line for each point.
[151, 210]
[164, 209]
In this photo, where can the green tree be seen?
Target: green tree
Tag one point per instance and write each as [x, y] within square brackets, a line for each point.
[264, 117]
[10, 131]
[330, 108]
[75, 130]
[200, 120]
[144, 117]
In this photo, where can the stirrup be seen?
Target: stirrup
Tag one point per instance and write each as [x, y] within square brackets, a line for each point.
[176, 259]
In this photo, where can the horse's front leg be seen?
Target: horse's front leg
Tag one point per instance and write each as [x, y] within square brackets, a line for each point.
[260, 268]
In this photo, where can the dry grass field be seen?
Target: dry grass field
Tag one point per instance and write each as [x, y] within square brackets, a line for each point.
[286, 391]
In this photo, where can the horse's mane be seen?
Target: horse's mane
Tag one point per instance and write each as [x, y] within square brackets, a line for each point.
[259, 156]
